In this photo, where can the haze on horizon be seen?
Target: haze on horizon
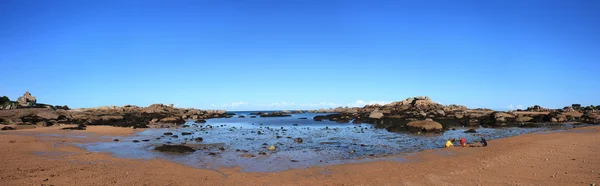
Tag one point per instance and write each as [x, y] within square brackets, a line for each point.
[272, 54]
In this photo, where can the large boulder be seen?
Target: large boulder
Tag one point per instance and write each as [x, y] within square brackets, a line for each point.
[376, 115]
[501, 118]
[523, 119]
[425, 126]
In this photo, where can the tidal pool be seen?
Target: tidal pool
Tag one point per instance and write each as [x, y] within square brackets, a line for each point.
[244, 142]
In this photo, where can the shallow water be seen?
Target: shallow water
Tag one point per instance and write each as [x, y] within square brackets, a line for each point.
[323, 142]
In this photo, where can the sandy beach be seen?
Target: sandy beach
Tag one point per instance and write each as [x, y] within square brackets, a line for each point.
[560, 158]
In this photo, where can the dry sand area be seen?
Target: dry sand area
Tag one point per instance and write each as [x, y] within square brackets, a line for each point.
[561, 158]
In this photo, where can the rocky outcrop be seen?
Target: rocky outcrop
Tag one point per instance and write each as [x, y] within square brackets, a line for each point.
[275, 114]
[27, 100]
[396, 115]
[125, 116]
[537, 108]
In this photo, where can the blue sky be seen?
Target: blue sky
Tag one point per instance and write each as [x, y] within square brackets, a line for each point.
[300, 54]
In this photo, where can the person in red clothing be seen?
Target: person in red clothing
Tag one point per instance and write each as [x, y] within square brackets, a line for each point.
[463, 142]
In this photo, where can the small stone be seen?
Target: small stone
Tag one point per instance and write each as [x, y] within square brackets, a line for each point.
[299, 140]
[116, 140]
[222, 149]
[212, 154]
[136, 141]
[272, 148]
[294, 160]
[352, 151]
[198, 139]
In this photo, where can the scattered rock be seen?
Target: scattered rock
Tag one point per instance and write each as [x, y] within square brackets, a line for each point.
[8, 128]
[294, 161]
[168, 133]
[78, 127]
[116, 140]
[198, 139]
[272, 148]
[186, 133]
[472, 130]
[302, 118]
[136, 141]
[174, 148]
[174, 136]
[298, 140]
[200, 121]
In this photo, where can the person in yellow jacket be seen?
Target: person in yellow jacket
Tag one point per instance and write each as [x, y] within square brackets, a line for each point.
[449, 143]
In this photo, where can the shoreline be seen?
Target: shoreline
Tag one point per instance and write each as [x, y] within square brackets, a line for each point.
[434, 166]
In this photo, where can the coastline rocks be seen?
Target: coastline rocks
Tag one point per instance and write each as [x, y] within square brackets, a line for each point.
[590, 118]
[425, 126]
[174, 149]
[339, 118]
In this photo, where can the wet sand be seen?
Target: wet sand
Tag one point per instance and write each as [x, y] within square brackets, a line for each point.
[562, 158]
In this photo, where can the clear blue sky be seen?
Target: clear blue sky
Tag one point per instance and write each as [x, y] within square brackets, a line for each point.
[275, 54]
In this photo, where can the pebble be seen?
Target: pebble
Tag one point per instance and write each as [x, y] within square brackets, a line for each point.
[272, 148]
[116, 140]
